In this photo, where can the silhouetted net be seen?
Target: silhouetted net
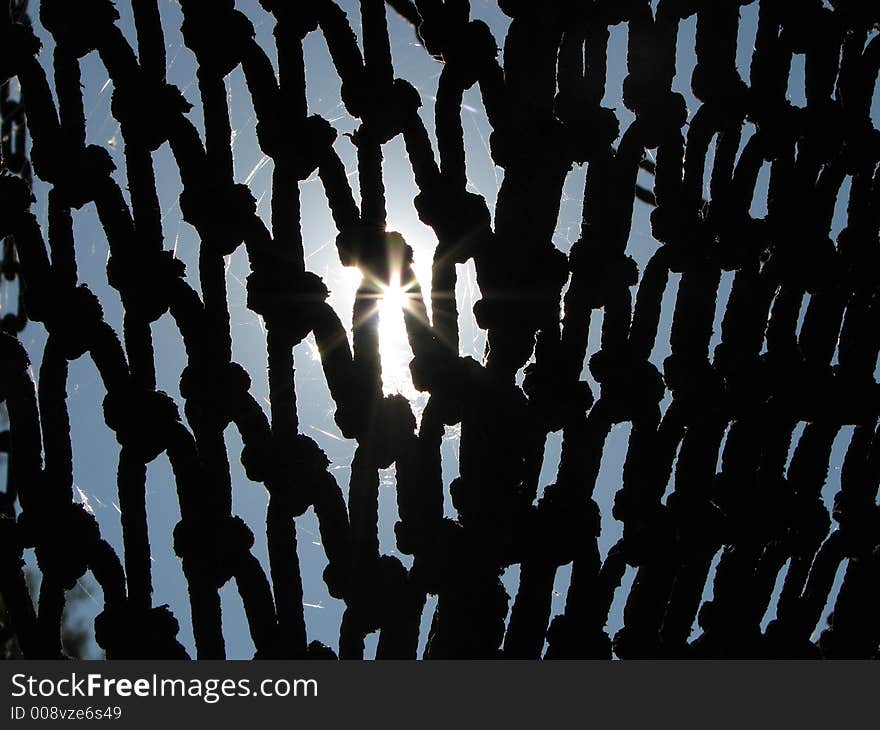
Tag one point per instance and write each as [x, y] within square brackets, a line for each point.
[729, 446]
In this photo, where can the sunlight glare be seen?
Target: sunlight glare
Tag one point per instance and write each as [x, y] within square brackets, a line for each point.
[394, 348]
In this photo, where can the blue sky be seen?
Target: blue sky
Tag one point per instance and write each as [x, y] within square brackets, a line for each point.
[95, 447]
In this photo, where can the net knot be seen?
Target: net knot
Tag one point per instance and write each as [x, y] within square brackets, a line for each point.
[648, 529]
[289, 299]
[79, 27]
[460, 219]
[386, 113]
[573, 638]
[130, 632]
[64, 536]
[393, 429]
[722, 89]
[75, 321]
[302, 465]
[217, 34]
[589, 129]
[145, 283]
[210, 390]
[630, 385]
[222, 212]
[148, 111]
[78, 173]
[599, 272]
[563, 518]
[658, 114]
[694, 383]
[297, 146]
[555, 399]
[140, 419]
[373, 590]
[299, 18]
[698, 523]
[533, 302]
[213, 548]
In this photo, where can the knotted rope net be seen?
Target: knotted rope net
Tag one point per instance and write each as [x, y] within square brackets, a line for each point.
[729, 445]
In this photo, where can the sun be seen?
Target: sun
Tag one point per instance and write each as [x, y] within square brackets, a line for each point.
[395, 300]
[394, 349]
